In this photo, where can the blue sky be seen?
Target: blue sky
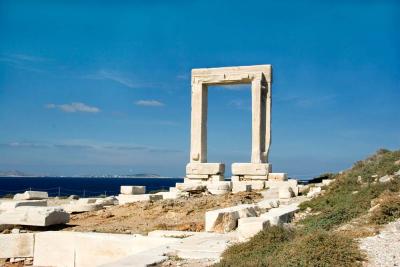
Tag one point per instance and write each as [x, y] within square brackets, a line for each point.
[104, 86]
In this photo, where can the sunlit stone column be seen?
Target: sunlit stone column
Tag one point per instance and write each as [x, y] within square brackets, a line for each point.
[198, 146]
[256, 120]
[268, 109]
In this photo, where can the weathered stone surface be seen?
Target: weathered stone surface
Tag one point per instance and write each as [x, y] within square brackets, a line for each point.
[255, 185]
[235, 178]
[268, 203]
[250, 226]
[31, 195]
[34, 216]
[254, 177]
[240, 187]
[124, 199]
[173, 189]
[147, 258]
[285, 192]
[275, 176]
[12, 204]
[197, 176]
[172, 233]
[16, 245]
[90, 249]
[385, 179]
[202, 246]
[173, 195]
[191, 187]
[250, 169]
[217, 178]
[283, 214]
[219, 188]
[327, 182]
[277, 184]
[83, 201]
[314, 191]
[107, 201]
[225, 220]
[270, 193]
[77, 207]
[133, 189]
[303, 188]
[205, 168]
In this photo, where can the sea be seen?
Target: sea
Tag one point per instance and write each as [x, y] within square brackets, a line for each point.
[83, 187]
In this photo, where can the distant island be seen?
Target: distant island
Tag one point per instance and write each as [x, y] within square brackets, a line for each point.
[16, 173]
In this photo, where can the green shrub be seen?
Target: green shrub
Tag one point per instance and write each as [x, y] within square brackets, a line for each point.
[319, 248]
[311, 244]
[347, 199]
[281, 247]
[388, 210]
[260, 250]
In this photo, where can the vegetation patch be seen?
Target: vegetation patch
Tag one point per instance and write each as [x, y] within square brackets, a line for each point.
[388, 209]
[278, 246]
[351, 194]
[316, 240]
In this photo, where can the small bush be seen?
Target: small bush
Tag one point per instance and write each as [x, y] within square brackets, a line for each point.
[340, 205]
[320, 248]
[281, 247]
[388, 210]
[259, 251]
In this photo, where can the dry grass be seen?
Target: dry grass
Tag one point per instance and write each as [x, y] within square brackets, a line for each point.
[143, 217]
[326, 236]
[388, 209]
[282, 247]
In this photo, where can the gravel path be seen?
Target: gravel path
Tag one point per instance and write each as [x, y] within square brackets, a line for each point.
[384, 248]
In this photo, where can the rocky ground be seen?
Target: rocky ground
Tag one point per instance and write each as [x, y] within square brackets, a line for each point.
[383, 249]
[185, 214]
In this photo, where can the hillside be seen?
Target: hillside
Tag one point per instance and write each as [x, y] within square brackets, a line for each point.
[356, 205]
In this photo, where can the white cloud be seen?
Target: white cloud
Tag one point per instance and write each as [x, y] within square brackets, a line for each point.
[149, 103]
[114, 76]
[74, 107]
[25, 62]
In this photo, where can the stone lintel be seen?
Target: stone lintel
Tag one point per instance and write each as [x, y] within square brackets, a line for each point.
[205, 168]
[231, 75]
[257, 169]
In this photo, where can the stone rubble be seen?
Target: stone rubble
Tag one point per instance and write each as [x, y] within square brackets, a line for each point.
[124, 199]
[31, 195]
[225, 220]
[34, 216]
[132, 190]
[12, 204]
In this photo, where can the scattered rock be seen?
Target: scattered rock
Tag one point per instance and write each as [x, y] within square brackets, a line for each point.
[31, 195]
[133, 190]
[191, 187]
[385, 179]
[327, 182]
[35, 216]
[314, 191]
[285, 192]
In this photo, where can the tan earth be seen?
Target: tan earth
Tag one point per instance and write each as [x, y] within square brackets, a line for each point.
[185, 214]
